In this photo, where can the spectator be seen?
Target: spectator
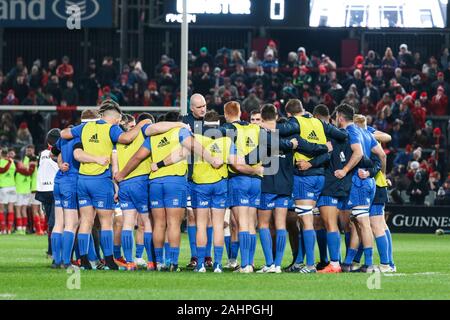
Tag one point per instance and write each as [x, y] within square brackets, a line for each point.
[366, 107]
[419, 114]
[23, 137]
[443, 194]
[203, 81]
[19, 69]
[434, 181]
[424, 102]
[253, 61]
[336, 91]
[403, 81]
[70, 94]
[418, 189]
[439, 102]
[21, 88]
[65, 71]
[272, 46]
[269, 60]
[239, 73]
[228, 86]
[420, 138]
[445, 59]
[292, 60]
[217, 105]
[403, 157]
[388, 61]
[35, 78]
[89, 84]
[440, 82]
[405, 58]
[222, 58]
[372, 60]
[107, 73]
[357, 81]
[370, 91]
[165, 61]
[191, 60]
[236, 59]
[251, 103]
[261, 76]
[166, 79]
[204, 57]
[8, 130]
[302, 79]
[10, 99]
[303, 59]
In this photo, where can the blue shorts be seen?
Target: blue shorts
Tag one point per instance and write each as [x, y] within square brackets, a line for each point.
[343, 204]
[133, 194]
[244, 191]
[377, 209]
[308, 187]
[271, 201]
[210, 195]
[327, 201]
[362, 192]
[189, 195]
[168, 192]
[96, 192]
[68, 192]
[57, 196]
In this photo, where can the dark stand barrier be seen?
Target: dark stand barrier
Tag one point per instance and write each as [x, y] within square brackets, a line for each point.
[417, 219]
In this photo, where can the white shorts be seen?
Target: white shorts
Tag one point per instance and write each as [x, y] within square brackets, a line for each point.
[23, 199]
[33, 201]
[8, 195]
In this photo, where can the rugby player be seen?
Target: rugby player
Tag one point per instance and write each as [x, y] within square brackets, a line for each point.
[8, 194]
[309, 179]
[36, 212]
[363, 187]
[95, 188]
[276, 188]
[167, 185]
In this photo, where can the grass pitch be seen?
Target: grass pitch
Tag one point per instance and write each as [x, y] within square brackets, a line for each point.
[423, 263]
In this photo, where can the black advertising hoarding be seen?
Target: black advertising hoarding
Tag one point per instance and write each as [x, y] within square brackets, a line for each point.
[417, 219]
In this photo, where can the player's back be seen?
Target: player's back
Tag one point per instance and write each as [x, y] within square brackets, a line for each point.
[67, 147]
[126, 152]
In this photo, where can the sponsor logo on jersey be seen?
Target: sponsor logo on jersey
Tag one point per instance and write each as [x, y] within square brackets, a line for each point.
[313, 136]
[94, 138]
[164, 142]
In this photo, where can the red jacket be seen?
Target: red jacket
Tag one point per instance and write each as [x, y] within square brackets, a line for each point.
[439, 105]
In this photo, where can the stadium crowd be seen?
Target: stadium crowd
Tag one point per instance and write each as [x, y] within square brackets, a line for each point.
[396, 92]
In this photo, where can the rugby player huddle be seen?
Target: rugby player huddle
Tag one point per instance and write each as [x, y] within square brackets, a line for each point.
[18, 185]
[301, 174]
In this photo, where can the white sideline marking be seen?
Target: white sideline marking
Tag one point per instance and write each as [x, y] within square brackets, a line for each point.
[7, 296]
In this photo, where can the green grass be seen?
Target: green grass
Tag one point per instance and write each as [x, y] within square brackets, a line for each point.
[423, 263]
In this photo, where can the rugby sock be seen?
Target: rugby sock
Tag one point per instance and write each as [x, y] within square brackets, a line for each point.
[68, 239]
[251, 255]
[227, 240]
[368, 256]
[358, 256]
[2, 222]
[140, 249]
[19, 223]
[117, 251]
[322, 243]
[148, 239]
[92, 253]
[107, 242]
[192, 234]
[234, 249]
[351, 253]
[24, 223]
[167, 255]
[347, 241]
[127, 241]
[76, 250]
[266, 243]
[209, 240]
[390, 249]
[301, 249]
[281, 245]
[83, 243]
[201, 251]
[218, 254]
[174, 254]
[37, 224]
[56, 247]
[334, 245]
[382, 246]
[310, 241]
[159, 255]
[244, 243]
[10, 220]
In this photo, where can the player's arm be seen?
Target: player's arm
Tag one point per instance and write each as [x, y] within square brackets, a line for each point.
[357, 154]
[67, 134]
[379, 152]
[114, 163]
[382, 136]
[312, 149]
[334, 133]
[129, 136]
[317, 162]
[6, 167]
[20, 168]
[140, 155]
[83, 157]
[188, 141]
[238, 164]
[164, 126]
[288, 128]
[372, 165]
[175, 157]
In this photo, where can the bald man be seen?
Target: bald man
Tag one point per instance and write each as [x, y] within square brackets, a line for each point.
[195, 121]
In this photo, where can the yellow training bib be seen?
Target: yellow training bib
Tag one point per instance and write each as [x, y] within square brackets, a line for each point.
[126, 152]
[163, 145]
[203, 172]
[247, 140]
[311, 129]
[96, 141]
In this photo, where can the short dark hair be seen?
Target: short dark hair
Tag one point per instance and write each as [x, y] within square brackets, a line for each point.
[294, 106]
[126, 118]
[346, 110]
[211, 116]
[256, 111]
[321, 110]
[52, 136]
[269, 112]
[172, 116]
[145, 116]
[109, 105]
